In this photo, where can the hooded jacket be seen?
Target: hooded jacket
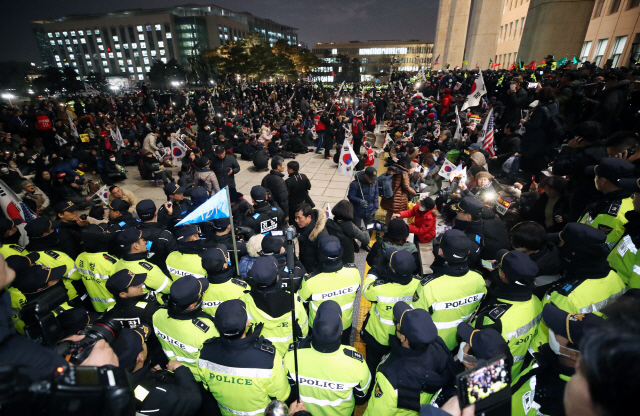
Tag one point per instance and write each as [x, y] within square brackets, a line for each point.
[360, 188]
[308, 240]
[424, 223]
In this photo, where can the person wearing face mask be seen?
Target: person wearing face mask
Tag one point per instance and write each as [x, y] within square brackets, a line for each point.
[9, 238]
[11, 177]
[453, 292]
[183, 328]
[133, 242]
[510, 307]
[540, 387]
[588, 283]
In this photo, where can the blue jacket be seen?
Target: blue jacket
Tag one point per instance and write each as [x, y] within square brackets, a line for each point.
[370, 192]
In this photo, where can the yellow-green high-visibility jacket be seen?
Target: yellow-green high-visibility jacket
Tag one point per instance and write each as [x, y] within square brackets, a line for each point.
[608, 216]
[94, 269]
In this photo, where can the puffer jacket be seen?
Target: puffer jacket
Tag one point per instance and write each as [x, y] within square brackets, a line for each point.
[359, 188]
[309, 237]
[347, 233]
[424, 223]
[401, 186]
[254, 247]
[149, 143]
[206, 178]
[221, 168]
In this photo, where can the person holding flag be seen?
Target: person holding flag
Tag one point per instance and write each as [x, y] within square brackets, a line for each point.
[517, 100]
[478, 89]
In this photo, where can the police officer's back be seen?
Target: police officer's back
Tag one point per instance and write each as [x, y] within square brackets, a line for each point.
[510, 307]
[120, 219]
[384, 287]
[94, 266]
[132, 306]
[187, 258]
[222, 285]
[241, 368]
[624, 258]
[588, 283]
[162, 241]
[263, 217]
[133, 242]
[269, 304]
[183, 327]
[468, 220]
[606, 211]
[9, 238]
[453, 292]
[418, 366]
[343, 373]
[273, 246]
[164, 392]
[332, 281]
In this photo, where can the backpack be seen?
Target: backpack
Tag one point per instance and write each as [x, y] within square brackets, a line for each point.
[385, 185]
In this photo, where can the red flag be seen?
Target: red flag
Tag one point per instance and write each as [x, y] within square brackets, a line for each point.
[532, 65]
[513, 66]
[333, 73]
[495, 64]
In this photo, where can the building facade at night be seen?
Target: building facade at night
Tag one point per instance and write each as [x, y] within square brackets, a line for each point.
[127, 43]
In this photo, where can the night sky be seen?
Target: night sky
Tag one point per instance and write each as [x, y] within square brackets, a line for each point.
[317, 20]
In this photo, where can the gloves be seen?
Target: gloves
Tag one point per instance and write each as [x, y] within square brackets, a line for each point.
[364, 203]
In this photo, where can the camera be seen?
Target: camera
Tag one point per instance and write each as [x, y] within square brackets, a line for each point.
[40, 323]
[68, 391]
[377, 225]
[290, 233]
[76, 352]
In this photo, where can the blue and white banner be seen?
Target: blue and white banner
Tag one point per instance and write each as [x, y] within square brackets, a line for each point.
[215, 207]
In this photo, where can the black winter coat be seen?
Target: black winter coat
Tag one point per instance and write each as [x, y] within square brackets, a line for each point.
[221, 168]
[298, 185]
[278, 188]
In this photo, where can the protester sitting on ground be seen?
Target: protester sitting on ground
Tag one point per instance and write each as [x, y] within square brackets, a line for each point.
[115, 192]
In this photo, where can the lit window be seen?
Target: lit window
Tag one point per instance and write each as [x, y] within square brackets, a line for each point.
[164, 60]
[158, 27]
[83, 40]
[161, 52]
[136, 54]
[139, 28]
[73, 33]
[69, 49]
[111, 55]
[50, 35]
[119, 54]
[65, 34]
[153, 53]
[89, 63]
[160, 44]
[80, 32]
[115, 39]
[59, 41]
[72, 57]
[147, 68]
[132, 70]
[123, 69]
[105, 63]
[75, 41]
[121, 62]
[96, 32]
[146, 61]
[53, 42]
[57, 34]
[141, 37]
[129, 62]
[139, 69]
[168, 35]
[106, 70]
[99, 39]
[141, 77]
[87, 56]
[101, 47]
[134, 46]
[144, 53]
[103, 55]
[126, 46]
[117, 45]
[149, 28]
[143, 45]
[59, 65]
[67, 41]
[57, 58]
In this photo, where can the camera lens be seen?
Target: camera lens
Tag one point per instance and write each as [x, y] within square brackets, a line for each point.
[107, 330]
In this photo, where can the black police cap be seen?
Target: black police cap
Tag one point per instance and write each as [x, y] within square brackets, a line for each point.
[611, 168]
[400, 261]
[38, 226]
[220, 224]
[486, 343]
[20, 264]
[187, 290]
[330, 247]
[468, 205]
[6, 224]
[581, 238]
[122, 280]
[264, 272]
[146, 209]
[258, 193]
[131, 235]
[214, 259]
[572, 326]
[173, 188]
[455, 246]
[119, 205]
[199, 195]
[39, 276]
[415, 324]
[231, 318]
[273, 242]
[129, 345]
[517, 266]
[185, 231]
[65, 206]
[327, 324]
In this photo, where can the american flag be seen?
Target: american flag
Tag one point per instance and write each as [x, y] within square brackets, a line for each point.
[437, 61]
[487, 133]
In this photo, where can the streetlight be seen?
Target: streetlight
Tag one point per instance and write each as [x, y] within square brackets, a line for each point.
[175, 83]
[8, 97]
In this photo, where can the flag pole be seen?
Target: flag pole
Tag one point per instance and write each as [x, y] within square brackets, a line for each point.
[233, 231]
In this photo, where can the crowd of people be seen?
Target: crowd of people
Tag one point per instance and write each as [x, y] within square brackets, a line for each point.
[525, 253]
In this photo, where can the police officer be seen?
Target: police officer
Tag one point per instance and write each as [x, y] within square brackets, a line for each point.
[480, 344]
[540, 387]
[183, 327]
[468, 220]
[219, 232]
[383, 287]
[418, 366]
[20, 265]
[176, 207]
[263, 217]
[453, 292]
[588, 283]
[269, 304]
[332, 280]
[606, 211]
[273, 245]
[510, 307]
[120, 219]
[222, 285]
[9, 238]
[187, 259]
[162, 241]
[133, 243]
[165, 392]
[44, 239]
[241, 368]
[330, 375]
[624, 258]
[132, 306]
[68, 227]
[94, 266]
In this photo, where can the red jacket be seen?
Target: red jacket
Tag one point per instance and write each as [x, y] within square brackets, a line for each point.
[424, 223]
[319, 124]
